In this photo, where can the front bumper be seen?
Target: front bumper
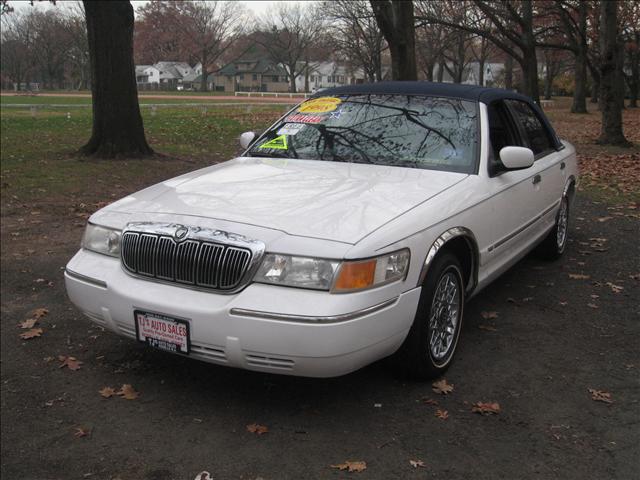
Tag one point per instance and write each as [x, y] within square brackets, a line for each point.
[263, 327]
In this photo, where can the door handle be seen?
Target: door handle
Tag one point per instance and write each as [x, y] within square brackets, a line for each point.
[562, 165]
[537, 179]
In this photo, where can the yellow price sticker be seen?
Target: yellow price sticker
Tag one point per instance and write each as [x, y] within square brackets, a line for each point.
[320, 105]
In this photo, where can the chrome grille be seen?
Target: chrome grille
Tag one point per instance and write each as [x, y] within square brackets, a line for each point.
[193, 261]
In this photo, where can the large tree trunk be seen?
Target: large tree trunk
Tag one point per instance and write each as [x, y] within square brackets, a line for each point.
[634, 80]
[117, 123]
[508, 73]
[611, 132]
[529, 62]
[395, 19]
[292, 78]
[441, 70]
[579, 104]
[481, 72]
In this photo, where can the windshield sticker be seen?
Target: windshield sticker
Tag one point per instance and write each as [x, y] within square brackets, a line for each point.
[320, 105]
[336, 113]
[297, 118]
[290, 129]
[278, 143]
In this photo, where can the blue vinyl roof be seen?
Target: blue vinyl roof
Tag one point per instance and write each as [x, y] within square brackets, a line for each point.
[451, 90]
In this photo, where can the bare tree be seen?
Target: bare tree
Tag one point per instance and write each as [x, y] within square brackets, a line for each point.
[355, 34]
[209, 28]
[631, 37]
[78, 47]
[15, 51]
[610, 71]
[396, 22]
[431, 38]
[511, 30]
[287, 33]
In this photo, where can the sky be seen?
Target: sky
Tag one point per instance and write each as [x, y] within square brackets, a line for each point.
[256, 6]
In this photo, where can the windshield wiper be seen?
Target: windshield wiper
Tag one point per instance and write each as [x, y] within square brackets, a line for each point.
[270, 155]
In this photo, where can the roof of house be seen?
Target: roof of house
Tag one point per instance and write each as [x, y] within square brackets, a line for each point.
[452, 90]
[261, 65]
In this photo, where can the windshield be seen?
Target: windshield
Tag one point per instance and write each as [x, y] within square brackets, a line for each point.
[398, 130]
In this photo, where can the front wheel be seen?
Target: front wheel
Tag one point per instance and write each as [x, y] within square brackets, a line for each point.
[554, 245]
[431, 343]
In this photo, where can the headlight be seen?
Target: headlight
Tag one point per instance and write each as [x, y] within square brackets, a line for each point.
[373, 272]
[292, 271]
[102, 240]
[340, 277]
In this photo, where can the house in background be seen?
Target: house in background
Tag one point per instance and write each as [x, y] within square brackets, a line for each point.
[250, 74]
[164, 75]
[329, 74]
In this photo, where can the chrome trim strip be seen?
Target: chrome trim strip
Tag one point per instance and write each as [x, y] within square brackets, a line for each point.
[441, 241]
[522, 228]
[86, 279]
[285, 317]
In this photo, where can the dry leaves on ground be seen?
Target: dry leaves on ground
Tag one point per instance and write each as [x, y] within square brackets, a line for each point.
[489, 408]
[488, 328]
[579, 276]
[600, 396]
[417, 464]
[72, 363]
[614, 288]
[257, 428]
[82, 432]
[442, 387]
[29, 323]
[128, 392]
[29, 334]
[489, 315]
[40, 312]
[442, 414]
[429, 401]
[107, 392]
[355, 466]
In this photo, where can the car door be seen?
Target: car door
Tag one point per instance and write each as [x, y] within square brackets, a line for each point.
[549, 158]
[516, 199]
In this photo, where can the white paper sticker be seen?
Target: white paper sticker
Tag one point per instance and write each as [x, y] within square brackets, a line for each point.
[290, 128]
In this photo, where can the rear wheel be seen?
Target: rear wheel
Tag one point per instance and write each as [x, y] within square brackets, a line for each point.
[554, 245]
[431, 343]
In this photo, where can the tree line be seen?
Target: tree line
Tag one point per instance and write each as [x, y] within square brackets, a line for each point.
[596, 42]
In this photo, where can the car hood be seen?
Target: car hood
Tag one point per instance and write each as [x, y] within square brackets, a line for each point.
[327, 200]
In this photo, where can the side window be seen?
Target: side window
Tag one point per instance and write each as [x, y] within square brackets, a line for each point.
[536, 135]
[502, 133]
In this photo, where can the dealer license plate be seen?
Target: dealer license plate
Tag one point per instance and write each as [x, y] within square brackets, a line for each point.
[162, 332]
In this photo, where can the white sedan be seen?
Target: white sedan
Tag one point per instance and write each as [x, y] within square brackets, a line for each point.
[353, 229]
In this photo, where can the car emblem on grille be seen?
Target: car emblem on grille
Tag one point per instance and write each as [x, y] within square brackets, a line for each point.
[180, 233]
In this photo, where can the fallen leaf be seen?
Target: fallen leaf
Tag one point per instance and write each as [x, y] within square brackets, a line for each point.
[356, 466]
[429, 401]
[578, 276]
[443, 414]
[33, 333]
[527, 299]
[128, 392]
[82, 432]
[417, 463]
[486, 408]
[72, 363]
[107, 392]
[40, 312]
[442, 387]
[604, 219]
[635, 276]
[564, 304]
[204, 475]
[488, 328]
[257, 429]
[600, 396]
[489, 315]
[592, 305]
[29, 323]
[614, 288]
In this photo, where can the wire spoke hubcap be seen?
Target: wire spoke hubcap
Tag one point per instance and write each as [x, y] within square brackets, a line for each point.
[563, 221]
[444, 316]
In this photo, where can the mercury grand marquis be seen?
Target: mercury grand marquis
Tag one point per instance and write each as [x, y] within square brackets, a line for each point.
[354, 228]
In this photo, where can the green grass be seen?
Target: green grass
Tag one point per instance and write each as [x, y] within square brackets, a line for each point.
[83, 100]
[39, 159]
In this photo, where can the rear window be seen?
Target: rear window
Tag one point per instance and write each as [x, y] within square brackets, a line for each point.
[396, 130]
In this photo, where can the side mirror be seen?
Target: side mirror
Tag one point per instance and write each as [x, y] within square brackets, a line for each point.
[516, 158]
[246, 138]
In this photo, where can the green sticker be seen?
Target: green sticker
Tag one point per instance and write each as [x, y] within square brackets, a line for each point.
[278, 143]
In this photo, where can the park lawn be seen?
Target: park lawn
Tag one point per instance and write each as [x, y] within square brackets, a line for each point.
[85, 99]
[39, 160]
